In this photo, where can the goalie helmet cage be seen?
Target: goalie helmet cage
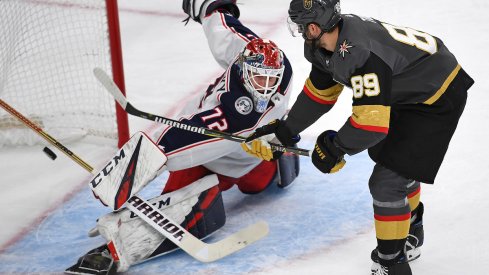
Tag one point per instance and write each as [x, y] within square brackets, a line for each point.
[48, 49]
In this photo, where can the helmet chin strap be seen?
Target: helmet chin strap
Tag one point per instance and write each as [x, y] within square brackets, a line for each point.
[314, 42]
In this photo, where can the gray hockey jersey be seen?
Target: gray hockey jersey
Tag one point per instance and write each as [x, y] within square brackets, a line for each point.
[384, 65]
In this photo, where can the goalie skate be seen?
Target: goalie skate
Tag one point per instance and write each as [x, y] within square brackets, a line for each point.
[96, 262]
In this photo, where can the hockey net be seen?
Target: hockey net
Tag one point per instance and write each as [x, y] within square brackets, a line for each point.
[48, 50]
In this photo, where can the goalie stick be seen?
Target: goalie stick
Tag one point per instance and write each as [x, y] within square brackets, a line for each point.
[112, 88]
[204, 252]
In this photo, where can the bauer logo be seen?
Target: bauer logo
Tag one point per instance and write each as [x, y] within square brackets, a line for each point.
[108, 168]
[307, 4]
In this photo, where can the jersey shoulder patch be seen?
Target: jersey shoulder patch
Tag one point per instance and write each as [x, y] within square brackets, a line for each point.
[244, 105]
[353, 46]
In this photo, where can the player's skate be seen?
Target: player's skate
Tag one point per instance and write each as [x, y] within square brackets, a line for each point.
[400, 266]
[415, 238]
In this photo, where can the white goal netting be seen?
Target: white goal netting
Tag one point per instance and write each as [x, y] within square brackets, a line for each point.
[48, 50]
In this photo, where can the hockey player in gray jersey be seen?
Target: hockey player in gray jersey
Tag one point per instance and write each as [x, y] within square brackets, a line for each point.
[409, 92]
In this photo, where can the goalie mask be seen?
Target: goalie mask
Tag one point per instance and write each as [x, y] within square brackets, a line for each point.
[261, 67]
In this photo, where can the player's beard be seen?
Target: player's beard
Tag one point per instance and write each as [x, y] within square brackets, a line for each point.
[314, 43]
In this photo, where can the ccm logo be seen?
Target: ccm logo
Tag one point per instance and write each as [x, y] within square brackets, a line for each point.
[108, 168]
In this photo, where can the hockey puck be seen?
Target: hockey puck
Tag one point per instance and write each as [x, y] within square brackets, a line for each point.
[49, 153]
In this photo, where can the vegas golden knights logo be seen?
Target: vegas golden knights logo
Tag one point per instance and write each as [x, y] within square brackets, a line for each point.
[307, 4]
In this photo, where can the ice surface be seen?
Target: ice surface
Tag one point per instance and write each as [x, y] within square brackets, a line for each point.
[323, 223]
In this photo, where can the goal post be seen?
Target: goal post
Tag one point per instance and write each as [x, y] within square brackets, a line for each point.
[117, 67]
[48, 49]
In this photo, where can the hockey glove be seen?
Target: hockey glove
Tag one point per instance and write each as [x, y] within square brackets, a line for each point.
[260, 147]
[197, 9]
[326, 156]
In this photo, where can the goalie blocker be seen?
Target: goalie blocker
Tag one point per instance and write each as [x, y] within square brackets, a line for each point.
[197, 207]
[124, 175]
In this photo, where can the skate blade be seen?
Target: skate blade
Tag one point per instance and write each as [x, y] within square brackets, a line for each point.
[413, 254]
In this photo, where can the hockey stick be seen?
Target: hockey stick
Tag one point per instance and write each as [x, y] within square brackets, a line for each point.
[45, 135]
[112, 88]
[196, 248]
[201, 251]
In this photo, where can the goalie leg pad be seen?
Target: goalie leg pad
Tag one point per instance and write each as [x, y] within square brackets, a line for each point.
[288, 169]
[135, 241]
[206, 217]
[181, 178]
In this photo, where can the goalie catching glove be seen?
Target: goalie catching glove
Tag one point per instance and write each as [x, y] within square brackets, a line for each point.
[257, 144]
[197, 9]
[326, 156]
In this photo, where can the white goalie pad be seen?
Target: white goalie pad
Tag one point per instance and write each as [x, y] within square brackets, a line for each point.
[134, 239]
[138, 162]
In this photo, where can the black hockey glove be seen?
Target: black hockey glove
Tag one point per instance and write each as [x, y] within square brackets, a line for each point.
[326, 156]
[260, 148]
[277, 127]
[193, 8]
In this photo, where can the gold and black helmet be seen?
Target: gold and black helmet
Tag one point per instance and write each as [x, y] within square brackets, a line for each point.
[325, 13]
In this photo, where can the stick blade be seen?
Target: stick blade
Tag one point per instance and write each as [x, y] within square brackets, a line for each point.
[235, 242]
[110, 86]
